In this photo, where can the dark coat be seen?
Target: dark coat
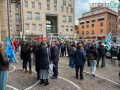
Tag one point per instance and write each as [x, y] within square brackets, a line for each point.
[34, 48]
[113, 51]
[28, 54]
[55, 54]
[58, 45]
[37, 60]
[102, 50]
[62, 47]
[43, 57]
[94, 52]
[79, 57]
[22, 55]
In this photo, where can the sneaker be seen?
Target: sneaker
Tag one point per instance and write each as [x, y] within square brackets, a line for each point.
[54, 77]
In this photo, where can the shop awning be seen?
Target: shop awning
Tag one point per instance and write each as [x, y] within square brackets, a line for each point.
[94, 36]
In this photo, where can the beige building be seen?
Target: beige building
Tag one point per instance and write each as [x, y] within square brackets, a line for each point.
[4, 25]
[35, 18]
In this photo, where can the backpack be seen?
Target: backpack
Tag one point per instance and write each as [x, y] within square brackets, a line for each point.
[90, 56]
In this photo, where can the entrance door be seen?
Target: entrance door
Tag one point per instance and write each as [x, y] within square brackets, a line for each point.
[49, 26]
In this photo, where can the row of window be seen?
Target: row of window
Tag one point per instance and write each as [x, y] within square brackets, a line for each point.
[55, 2]
[34, 26]
[92, 32]
[62, 28]
[95, 12]
[69, 18]
[100, 18]
[112, 17]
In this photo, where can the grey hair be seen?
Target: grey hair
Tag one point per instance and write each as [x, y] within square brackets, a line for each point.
[1, 43]
[43, 42]
[52, 43]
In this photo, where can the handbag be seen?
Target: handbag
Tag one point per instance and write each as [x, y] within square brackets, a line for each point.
[51, 65]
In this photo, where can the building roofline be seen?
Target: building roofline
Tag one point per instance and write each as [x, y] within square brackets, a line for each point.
[97, 14]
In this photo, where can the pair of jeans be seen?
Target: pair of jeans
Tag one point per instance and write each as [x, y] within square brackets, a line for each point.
[72, 61]
[81, 70]
[3, 79]
[93, 66]
[55, 69]
[24, 63]
[28, 60]
[103, 58]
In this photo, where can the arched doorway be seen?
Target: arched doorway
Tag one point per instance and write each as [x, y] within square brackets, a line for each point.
[49, 26]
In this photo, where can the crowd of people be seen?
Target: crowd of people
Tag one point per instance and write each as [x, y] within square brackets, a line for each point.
[45, 52]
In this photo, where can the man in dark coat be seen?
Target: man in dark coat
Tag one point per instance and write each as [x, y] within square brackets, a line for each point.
[55, 59]
[23, 53]
[102, 54]
[62, 49]
[113, 51]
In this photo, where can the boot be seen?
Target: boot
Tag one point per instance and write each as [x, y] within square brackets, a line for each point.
[42, 81]
[46, 83]
[26, 70]
[30, 72]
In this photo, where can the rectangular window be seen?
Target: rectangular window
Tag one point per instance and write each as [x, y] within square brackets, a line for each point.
[118, 31]
[47, 1]
[40, 26]
[98, 11]
[87, 26]
[82, 27]
[82, 21]
[116, 25]
[87, 20]
[27, 26]
[71, 10]
[101, 18]
[64, 18]
[116, 19]
[33, 4]
[48, 7]
[29, 15]
[93, 19]
[71, 28]
[70, 19]
[101, 30]
[34, 26]
[112, 24]
[70, 3]
[92, 25]
[66, 28]
[62, 28]
[87, 14]
[64, 2]
[17, 27]
[66, 9]
[101, 24]
[87, 32]
[37, 16]
[16, 7]
[82, 32]
[55, 1]
[39, 5]
[17, 17]
[112, 31]
[61, 9]
[92, 32]
[55, 8]
[26, 3]
[108, 17]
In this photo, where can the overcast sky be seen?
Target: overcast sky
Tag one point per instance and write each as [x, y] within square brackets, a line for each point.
[82, 6]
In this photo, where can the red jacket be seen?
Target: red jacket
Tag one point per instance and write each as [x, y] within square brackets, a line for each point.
[15, 44]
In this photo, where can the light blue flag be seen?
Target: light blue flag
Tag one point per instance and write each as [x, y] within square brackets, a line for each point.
[10, 52]
[108, 40]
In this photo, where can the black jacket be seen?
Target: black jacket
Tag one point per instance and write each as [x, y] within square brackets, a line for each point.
[22, 55]
[55, 54]
[102, 50]
[113, 51]
[28, 53]
[94, 52]
[42, 55]
[34, 48]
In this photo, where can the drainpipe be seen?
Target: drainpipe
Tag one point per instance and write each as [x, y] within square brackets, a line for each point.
[8, 17]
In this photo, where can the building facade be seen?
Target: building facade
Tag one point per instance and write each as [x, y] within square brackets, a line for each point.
[4, 23]
[118, 35]
[76, 32]
[96, 24]
[35, 18]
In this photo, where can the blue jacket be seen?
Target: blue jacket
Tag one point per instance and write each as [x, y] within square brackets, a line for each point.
[79, 57]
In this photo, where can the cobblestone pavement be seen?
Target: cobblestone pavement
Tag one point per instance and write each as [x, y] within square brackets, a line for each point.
[18, 80]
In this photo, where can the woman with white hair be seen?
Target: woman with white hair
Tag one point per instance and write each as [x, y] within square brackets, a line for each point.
[4, 66]
[43, 62]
